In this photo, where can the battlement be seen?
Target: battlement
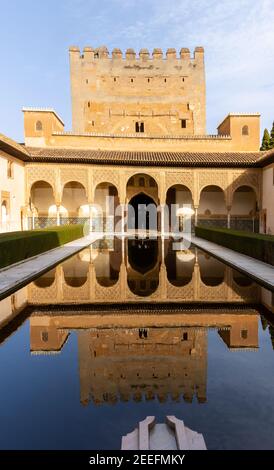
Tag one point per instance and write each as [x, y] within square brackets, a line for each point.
[93, 54]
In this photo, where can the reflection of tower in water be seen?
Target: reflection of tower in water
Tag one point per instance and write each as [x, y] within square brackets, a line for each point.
[133, 364]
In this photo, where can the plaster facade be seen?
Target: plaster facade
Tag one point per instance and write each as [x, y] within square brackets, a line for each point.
[64, 175]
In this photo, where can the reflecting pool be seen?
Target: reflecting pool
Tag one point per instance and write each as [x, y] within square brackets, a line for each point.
[131, 328]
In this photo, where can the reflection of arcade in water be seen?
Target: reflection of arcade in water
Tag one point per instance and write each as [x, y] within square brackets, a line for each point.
[146, 353]
[112, 270]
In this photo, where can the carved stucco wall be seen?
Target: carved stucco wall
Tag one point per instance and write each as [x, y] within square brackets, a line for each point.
[196, 179]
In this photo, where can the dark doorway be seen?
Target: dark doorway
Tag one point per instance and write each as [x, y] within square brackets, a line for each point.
[142, 213]
[142, 254]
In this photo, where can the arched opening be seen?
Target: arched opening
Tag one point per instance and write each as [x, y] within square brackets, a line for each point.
[4, 216]
[143, 266]
[244, 211]
[212, 208]
[75, 271]
[180, 204]
[179, 265]
[62, 211]
[46, 280]
[142, 213]
[142, 190]
[41, 199]
[73, 198]
[212, 271]
[4, 213]
[106, 201]
[107, 262]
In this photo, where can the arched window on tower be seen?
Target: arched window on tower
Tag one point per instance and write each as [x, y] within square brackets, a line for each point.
[39, 126]
[245, 130]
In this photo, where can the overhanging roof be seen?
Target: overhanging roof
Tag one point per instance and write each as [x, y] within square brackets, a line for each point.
[14, 149]
[140, 158]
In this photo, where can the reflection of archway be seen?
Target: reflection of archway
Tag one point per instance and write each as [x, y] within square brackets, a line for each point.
[46, 280]
[180, 204]
[179, 265]
[106, 200]
[244, 211]
[142, 213]
[107, 263]
[212, 208]
[73, 198]
[143, 266]
[75, 271]
[142, 254]
[212, 271]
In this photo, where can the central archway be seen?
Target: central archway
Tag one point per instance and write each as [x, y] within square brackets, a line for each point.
[142, 213]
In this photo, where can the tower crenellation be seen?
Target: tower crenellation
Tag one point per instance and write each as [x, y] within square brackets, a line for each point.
[130, 54]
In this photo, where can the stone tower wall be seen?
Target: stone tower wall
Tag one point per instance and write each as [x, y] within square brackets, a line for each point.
[110, 94]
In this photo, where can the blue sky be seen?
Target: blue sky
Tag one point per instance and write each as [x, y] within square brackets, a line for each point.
[238, 37]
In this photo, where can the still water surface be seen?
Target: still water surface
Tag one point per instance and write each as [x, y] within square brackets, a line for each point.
[128, 329]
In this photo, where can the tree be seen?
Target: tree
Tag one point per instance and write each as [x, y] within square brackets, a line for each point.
[271, 142]
[266, 141]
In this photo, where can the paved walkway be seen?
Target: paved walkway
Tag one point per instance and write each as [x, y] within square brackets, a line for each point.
[261, 272]
[20, 274]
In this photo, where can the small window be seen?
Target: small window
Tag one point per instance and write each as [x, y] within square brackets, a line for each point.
[183, 79]
[142, 181]
[96, 55]
[10, 169]
[93, 123]
[188, 107]
[88, 104]
[139, 127]
[148, 80]
[87, 80]
[245, 130]
[45, 336]
[115, 79]
[131, 80]
[165, 80]
[183, 123]
[39, 126]
[244, 334]
[185, 336]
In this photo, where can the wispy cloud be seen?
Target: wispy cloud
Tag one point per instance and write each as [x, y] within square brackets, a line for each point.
[238, 36]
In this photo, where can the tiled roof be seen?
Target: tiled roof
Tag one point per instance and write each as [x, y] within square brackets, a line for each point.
[266, 158]
[185, 159]
[13, 148]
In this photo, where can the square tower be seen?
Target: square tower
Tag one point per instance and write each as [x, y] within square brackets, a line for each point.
[146, 95]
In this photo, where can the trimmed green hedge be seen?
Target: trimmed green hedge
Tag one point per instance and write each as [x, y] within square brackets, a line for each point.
[257, 245]
[17, 246]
